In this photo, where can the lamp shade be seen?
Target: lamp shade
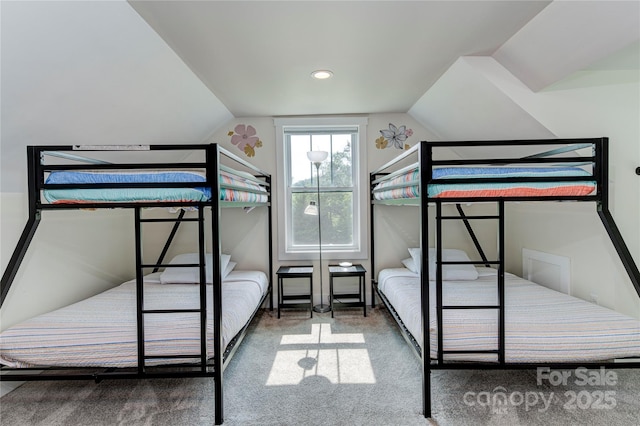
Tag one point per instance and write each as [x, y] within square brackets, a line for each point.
[311, 209]
[317, 156]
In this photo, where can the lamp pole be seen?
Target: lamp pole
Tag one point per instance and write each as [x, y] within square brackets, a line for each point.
[317, 157]
[321, 308]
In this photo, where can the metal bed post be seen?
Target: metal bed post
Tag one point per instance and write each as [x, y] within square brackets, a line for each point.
[501, 289]
[213, 162]
[35, 215]
[371, 234]
[139, 290]
[439, 310]
[602, 175]
[202, 275]
[424, 158]
[269, 219]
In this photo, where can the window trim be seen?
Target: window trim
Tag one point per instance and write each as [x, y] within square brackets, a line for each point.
[359, 188]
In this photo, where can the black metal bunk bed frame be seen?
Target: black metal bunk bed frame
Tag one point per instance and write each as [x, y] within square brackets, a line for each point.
[600, 174]
[205, 366]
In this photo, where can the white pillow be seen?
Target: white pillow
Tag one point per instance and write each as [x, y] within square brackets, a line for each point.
[228, 269]
[486, 271]
[449, 272]
[410, 265]
[416, 255]
[191, 275]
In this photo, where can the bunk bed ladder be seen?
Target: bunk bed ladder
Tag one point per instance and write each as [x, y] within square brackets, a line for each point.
[141, 267]
[499, 351]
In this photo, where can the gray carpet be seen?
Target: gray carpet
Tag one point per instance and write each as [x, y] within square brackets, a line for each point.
[348, 370]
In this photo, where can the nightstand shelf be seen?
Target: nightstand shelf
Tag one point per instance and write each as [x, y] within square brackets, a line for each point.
[338, 299]
[293, 301]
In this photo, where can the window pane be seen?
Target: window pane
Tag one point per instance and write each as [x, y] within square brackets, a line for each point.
[341, 162]
[335, 171]
[336, 211]
[304, 230]
[336, 214]
[321, 142]
[300, 166]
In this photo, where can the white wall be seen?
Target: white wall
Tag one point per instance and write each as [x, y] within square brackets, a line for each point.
[396, 241]
[73, 255]
[397, 228]
[594, 103]
[84, 73]
[575, 231]
[93, 73]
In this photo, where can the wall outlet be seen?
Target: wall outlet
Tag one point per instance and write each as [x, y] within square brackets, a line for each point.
[594, 298]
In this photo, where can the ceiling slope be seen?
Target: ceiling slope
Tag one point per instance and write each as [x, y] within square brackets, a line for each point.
[93, 73]
[257, 56]
[464, 104]
[493, 97]
[568, 36]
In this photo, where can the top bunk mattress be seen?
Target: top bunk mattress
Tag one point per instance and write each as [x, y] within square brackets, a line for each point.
[101, 331]
[541, 325]
[233, 188]
[406, 185]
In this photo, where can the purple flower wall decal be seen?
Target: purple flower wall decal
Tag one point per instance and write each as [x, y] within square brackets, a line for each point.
[244, 137]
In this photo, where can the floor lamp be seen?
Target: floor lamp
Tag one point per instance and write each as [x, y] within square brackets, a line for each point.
[317, 157]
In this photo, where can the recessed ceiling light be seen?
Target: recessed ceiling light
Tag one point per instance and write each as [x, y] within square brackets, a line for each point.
[321, 74]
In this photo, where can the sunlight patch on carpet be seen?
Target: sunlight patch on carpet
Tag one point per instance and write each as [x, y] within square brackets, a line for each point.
[321, 334]
[338, 358]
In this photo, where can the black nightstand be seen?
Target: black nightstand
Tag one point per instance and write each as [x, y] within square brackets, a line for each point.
[295, 272]
[336, 299]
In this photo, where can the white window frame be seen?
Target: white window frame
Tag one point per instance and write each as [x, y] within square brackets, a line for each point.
[360, 185]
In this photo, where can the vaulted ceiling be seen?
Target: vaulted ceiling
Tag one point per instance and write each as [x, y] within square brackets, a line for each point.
[257, 57]
[175, 71]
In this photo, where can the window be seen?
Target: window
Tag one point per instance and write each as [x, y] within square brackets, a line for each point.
[342, 203]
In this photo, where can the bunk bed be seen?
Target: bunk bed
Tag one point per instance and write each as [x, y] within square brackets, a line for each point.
[184, 321]
[462, 313]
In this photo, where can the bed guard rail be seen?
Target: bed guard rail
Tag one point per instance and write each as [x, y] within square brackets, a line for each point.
[553, 152]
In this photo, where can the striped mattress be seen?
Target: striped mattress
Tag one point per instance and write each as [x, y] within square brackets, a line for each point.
[101, 331]
[541, 325]
[233, 188]
[406, 185]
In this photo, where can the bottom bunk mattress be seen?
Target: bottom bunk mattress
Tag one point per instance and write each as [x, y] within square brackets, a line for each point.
[541, 325]
[101, 331]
